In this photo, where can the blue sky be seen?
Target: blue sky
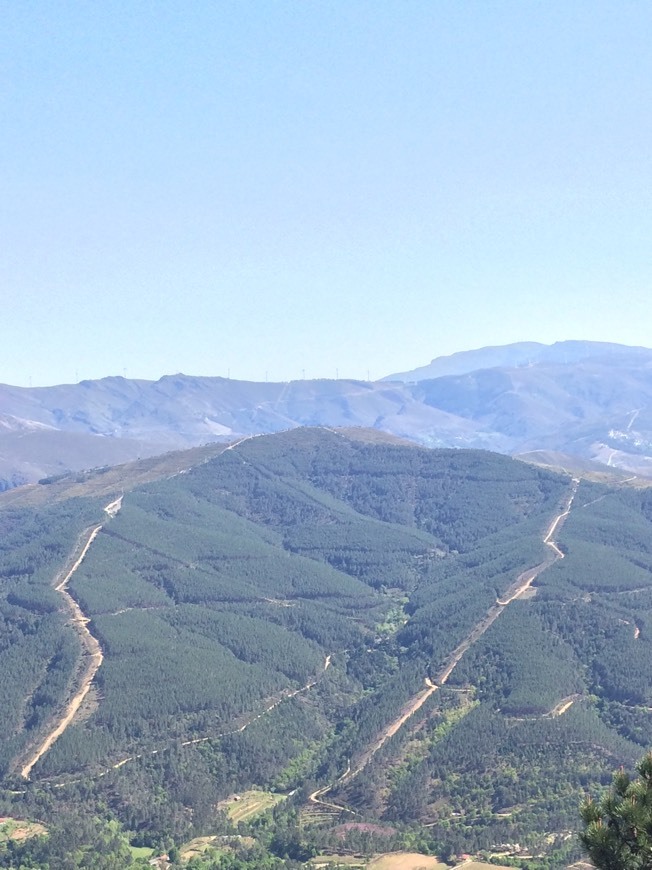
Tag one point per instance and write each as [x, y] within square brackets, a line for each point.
[261, 188]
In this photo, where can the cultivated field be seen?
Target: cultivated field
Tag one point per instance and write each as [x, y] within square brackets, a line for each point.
[388, 861]
[197, 847]
[241, 807]
[338, 861]
[406, 861]
[481, 865]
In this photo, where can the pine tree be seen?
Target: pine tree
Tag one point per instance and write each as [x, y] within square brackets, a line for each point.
[618, 829]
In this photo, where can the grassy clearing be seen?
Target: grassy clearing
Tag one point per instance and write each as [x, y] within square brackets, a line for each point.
[252, 803]
[19, 829]
[395, 618]
[141, 852]
[406, 861]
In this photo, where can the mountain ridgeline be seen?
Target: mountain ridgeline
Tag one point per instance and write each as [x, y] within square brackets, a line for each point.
[566, 404]
[269, 614]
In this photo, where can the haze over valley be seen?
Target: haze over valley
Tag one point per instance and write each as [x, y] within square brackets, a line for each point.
[571, 402]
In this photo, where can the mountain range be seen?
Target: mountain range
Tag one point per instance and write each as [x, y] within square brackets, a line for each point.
[566, 403]
[522, 353]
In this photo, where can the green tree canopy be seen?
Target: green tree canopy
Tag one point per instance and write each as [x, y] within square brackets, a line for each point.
[618, 829]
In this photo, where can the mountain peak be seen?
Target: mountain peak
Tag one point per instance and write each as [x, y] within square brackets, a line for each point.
[521, 353]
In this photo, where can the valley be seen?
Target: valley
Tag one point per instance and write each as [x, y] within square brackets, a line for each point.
[337, 620]
[522, 584]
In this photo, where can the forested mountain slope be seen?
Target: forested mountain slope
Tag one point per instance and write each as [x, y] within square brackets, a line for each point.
[265, 614]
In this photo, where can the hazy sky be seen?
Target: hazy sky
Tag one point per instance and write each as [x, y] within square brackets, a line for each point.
[266, 187]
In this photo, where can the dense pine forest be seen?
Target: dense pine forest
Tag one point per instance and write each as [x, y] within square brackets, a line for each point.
[265, 615]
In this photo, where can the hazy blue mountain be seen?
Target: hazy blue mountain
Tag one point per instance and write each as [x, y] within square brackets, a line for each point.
[590, 400]
[523, 353]
[182, 411]
[32, 455]
[595, 409]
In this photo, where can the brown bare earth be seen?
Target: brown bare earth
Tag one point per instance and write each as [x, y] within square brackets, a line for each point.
[198, 847]
[406, 861]
[338, 861]
[563, 706]
[92, 657]
[480, 865]
[19, 829]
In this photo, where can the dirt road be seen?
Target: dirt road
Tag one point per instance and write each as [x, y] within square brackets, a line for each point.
[113, 507]
[564, 705]
[271, 705]
[92, 655]
[528, 577]
[522, 583]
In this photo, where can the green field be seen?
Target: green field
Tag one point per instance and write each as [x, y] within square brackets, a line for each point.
[141, 851]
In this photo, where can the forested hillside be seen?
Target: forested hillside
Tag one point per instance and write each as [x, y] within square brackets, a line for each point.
[266, 614]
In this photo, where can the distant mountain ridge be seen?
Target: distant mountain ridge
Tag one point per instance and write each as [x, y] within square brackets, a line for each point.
[590, 400]
[524, 353]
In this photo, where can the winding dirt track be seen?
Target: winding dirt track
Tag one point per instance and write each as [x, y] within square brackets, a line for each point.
[272, 705]
[521, 585]
[92, 657]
